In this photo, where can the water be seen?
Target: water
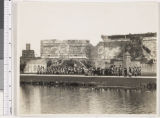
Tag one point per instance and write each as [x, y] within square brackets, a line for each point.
[77, 100]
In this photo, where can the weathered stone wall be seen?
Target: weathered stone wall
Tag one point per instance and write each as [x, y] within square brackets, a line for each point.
[32, 65]
[150, 43]
[106, 51]
[51, 48]
[28, 54]
[149, 69]
[64, 49]
[111, 49]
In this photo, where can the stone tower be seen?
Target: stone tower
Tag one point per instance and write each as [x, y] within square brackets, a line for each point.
[27, 46]
[126, 60]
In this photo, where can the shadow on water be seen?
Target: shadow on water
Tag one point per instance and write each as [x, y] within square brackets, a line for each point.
[85, 100]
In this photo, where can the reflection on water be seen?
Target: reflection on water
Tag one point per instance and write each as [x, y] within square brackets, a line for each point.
[71, 100]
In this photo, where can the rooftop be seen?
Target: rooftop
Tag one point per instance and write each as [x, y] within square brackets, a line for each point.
[149, 34]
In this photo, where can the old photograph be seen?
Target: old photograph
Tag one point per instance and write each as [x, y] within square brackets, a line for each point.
[87, 57]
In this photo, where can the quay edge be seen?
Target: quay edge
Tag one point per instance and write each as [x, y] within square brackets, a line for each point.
[138, 82]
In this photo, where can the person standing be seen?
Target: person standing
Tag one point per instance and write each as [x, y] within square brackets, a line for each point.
[125, 71]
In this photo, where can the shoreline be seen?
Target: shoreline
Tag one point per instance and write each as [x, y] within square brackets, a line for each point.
[98, 82]
[89, 76]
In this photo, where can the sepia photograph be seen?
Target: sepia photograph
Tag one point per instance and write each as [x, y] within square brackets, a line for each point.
[87, 57]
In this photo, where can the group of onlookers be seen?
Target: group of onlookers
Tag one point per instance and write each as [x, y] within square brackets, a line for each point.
[110, 71]
[134, 71]
[116, 71]
[60, 70]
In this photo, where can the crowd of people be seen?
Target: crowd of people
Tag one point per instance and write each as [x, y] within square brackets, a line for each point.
[60, 70]
[116, 71]
[110, 71]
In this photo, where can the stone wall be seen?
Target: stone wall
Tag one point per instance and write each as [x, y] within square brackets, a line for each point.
[110, 49]
[64, 49]
[32, 65]
[149, 69]
[107, 51]
[150, 43]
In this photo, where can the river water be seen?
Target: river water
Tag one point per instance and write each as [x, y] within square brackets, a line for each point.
[78, 100]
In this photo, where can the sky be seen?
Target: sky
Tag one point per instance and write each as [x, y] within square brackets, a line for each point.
[37, 21]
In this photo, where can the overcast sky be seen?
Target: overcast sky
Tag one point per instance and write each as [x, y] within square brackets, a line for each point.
[50, 20]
